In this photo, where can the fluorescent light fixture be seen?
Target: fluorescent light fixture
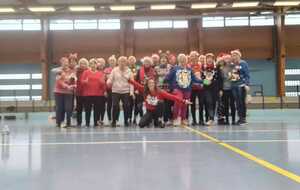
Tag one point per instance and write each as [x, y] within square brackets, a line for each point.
[163, 7]
[245, 4]
[122, 8]
[203, 5]
[266, 13]
[42, 9]
[6, 10]
[286, 3]
[81, 8]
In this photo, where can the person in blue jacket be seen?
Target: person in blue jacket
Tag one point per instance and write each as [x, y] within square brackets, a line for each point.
[240, 85]
[181, 79]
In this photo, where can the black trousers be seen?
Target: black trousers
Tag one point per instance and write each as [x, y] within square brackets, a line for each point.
[125, 99]
[152, 115]
[228, 101]
[209, 104]
[109, 105]
[79, 108]
[196, 94]
[239, 94]
[63, 106]
[138, 105]
[95, 103]
[167, 110]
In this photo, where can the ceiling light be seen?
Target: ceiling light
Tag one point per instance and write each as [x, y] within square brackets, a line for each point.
[286, 3]
[245, 4]
[42, 9]
[163, 7]
[123, 8]
[203, 5]
[81, 8]
[6, 10]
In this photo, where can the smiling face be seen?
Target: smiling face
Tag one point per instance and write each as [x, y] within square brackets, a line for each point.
[194, 57]
[64, 62]
[151, 85]
[182, 60]
[112, 61]
[163, 60]
[122, 62]
[83, 63]
[235, 58]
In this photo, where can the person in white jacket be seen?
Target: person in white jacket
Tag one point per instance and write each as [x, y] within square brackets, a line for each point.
[121, 89]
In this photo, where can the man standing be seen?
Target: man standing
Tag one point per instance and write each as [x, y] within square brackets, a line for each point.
[240, 85]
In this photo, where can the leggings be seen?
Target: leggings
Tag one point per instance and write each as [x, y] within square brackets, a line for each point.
[64, 106]
[138, 105]
[152, 115]
[180, 109]
[97, 104]
[109, 105]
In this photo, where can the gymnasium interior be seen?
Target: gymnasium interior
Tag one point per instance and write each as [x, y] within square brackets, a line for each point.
[35, 154]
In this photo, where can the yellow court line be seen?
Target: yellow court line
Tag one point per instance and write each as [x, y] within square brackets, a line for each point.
[249, 156]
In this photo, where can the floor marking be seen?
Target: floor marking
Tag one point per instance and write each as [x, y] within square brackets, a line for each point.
[249, 156]
[110, 132]
[101, 142]
[248, 131]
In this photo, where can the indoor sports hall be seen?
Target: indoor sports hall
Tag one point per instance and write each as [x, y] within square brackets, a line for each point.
[149, 94]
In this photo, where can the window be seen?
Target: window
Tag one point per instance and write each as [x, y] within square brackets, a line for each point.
[217, 21]
[61, 25]
[11, 24]
[85, 24]
[292, 72]
[36, 76]
[14, 76]
[141, 25]
[291, 94]
[236, 21]
[15, 87]
[292, 19]
[109, 24]
[36, 87]
[262, 20]
[292, 83]
[180, 24]
[160, 24]
[31, 24]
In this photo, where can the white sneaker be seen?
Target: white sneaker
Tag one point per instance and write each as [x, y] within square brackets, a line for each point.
[177, 122]
[209, 123]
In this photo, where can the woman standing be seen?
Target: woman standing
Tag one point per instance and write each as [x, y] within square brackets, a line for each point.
[182, 79]
[83, 65]
[64, 90]
[121, 89]
[94, 89]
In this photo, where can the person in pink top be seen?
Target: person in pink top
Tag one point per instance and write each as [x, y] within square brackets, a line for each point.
[94, 89]
[101, 67]
[64, 91]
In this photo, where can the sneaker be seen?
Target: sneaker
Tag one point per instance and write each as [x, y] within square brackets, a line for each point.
[177, 122]
[242, 122]
[194, 123]
[185, 122]
[209, 123]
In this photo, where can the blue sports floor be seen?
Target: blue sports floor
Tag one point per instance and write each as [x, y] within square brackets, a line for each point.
[262, 155]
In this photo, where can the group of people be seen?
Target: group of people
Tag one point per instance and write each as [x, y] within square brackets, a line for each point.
[162, 89]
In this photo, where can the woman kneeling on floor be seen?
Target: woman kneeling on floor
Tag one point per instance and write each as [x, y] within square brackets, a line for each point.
[153, 102]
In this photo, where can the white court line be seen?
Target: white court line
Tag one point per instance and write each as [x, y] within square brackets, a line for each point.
[111, 132]
[248, 131]
[142, 142]
[102, 142]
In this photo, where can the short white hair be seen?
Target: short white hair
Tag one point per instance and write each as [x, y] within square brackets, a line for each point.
[147, 58]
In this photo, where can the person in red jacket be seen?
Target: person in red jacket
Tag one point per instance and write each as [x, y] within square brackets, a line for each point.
[94, 90]
[83, 65]
[153, 102]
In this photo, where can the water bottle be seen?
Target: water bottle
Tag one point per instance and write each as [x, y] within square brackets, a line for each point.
[5, 130]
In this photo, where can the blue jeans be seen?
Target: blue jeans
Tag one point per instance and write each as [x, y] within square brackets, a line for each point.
[239, 95]
[64, 106]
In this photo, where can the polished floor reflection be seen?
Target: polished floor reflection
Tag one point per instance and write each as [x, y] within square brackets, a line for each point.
[38, 156]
